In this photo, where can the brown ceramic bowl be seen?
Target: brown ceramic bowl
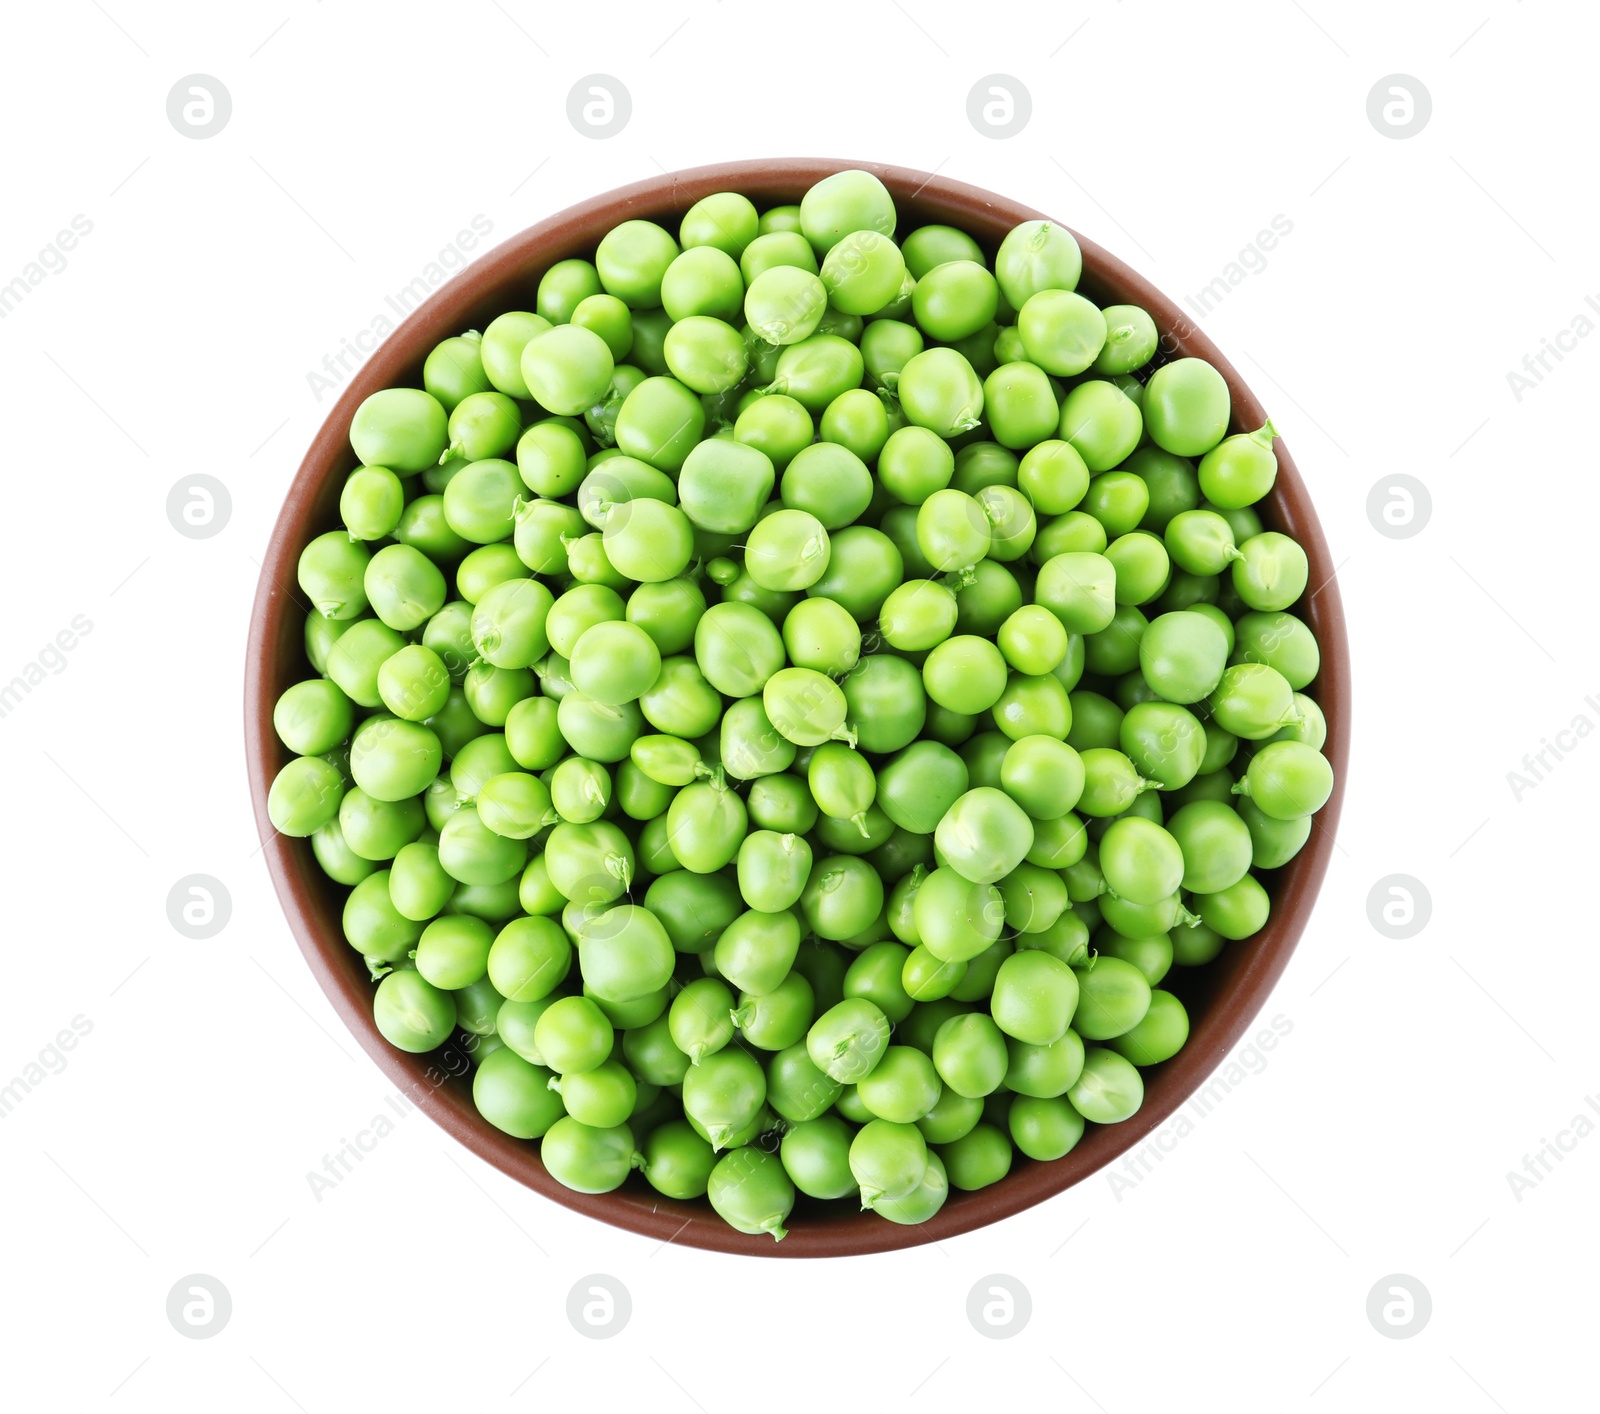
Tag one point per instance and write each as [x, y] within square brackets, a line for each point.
[1222, 998]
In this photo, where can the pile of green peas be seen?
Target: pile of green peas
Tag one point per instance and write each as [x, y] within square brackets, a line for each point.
[792, 698]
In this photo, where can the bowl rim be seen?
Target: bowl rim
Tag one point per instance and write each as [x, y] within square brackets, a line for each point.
[1244, 973]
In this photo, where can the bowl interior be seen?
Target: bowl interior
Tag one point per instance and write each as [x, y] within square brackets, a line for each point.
[1222, 998]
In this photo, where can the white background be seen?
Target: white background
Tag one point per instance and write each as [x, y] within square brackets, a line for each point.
[178, 340]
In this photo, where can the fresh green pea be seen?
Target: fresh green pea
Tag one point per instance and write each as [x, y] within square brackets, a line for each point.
[969, 1053]
[1062, 332]
[940, 391]
[1044, 1072]
[864, 565]
[956, 918]
[1037, 255]
[1110, 1089]
[1044, 1129]
[782, 803]
[1253, 701]
[1102, 423]
[1186, 407]
[1241, 469]
[1130, 341]
[815, 1153]
[724, 1092]
[412, 1014]
[1271, 572]
[1035, 997]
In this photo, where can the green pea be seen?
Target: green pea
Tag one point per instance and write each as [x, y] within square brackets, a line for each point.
[1035, 997]
[888, 1161]
[1271, 572]
[773, 869]
[426, 526]
[847, 1041]
[955, 917]
[1044, 1072]
[700, 1020]
[694, 909]
[1166, 743]
[1034, 898]
[756, 951]
[984, 835]
[1101, 422]
[1130, 342]
[586, 1159]
[750, 745]
[1252, 700]
[750, 1191]
[965, 673]
[304, 796]
[1062, 332]
[815, 1153]
[939, 390]
[668, 611]
[844, 202]
[724, 484]
[1037, 255]
[1186, 407]
[723, 1093]
[920, 784]
[779, 1019]
[777, 426]
[842, 783]
[403, 429]
[1044, 1129]
[1110, 1089]
[454, 369]
[376, 829]
[805, 707]
[1273, 842]
[771, 249]
[412, 1014]
[955, 299]
[969, 1053]
[1241, 469]
[929, 246]
[782, 803]
[1044, 775]
[1287, 779]
[902, 1088]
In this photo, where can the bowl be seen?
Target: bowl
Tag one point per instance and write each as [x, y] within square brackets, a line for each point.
[1222, 998]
